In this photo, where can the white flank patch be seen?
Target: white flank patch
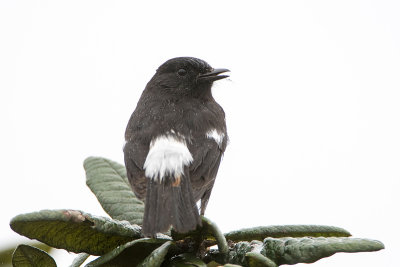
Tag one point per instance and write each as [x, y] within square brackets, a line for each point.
[167, 156]
[218, 137]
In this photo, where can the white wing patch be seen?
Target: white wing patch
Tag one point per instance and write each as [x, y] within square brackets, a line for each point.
[167, 156]
[217, 136]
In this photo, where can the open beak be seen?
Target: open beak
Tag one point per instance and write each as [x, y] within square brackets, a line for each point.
[213, 75]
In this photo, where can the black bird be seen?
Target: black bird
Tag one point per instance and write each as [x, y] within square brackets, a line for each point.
[175, 139]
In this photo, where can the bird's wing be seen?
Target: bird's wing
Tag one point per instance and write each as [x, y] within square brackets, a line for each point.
[135, 154]
[207, 156]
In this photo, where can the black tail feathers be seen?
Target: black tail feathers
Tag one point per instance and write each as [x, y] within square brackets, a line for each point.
[169, 202]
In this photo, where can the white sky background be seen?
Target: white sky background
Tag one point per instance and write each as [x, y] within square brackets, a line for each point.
[312, 106]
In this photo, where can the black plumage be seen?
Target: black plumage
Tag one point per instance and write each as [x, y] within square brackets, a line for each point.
[175, 115]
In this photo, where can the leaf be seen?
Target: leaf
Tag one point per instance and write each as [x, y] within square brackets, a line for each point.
[255, 259]
[75, 231]
[79, 260]
[290, 250]
[129, 254]
[156, 258]
[310, 249]
[221, 241]
[237, 255]
[108, 181]
[6, 253]
[27, 256]
[209, 231]
[187, 260]
[259, 233]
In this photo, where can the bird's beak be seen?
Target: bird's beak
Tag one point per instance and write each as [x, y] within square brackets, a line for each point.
[213, 75]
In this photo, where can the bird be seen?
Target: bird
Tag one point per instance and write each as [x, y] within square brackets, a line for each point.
[174, 142]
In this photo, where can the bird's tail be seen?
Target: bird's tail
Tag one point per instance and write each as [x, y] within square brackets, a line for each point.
[169, 201]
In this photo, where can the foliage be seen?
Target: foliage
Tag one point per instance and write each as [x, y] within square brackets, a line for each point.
[6, 253]
[25, 255]
[107, 180]
[119, 241]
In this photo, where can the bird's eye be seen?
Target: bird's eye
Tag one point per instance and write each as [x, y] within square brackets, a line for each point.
[182, 72]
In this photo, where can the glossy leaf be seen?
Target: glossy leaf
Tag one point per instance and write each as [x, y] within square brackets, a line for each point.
[216, 232]
[210, 231]
[79, 260]
[156, 258]
[259, 233]
[75, 231]
[27, 256]
[129, 254]
[6, 253]
[108, 181]
[186, 260]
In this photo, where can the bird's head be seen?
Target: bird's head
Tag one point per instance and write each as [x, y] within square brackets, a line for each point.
[186, 76]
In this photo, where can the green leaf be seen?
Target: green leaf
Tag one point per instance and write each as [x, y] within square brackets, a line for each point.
[310, 249]
[79, 260]
[255, 259]
[129, 254]
[75, 231]
[209, 231]
[6, 256]
[237, 255]
[156, 258]
[6, 253]
[108, 181]
[221, 241]
[187, 260]
[27, 256]
[290, 250]
[259, 233]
